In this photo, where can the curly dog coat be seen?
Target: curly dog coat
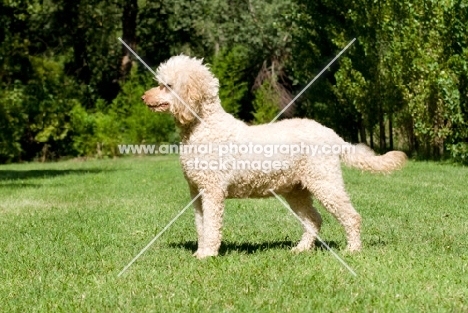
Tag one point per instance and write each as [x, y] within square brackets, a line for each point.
[306, 176]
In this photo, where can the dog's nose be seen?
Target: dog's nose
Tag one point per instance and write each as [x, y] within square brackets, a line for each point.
[143, 97]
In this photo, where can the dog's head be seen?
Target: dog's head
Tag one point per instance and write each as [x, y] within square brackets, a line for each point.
[185, 84]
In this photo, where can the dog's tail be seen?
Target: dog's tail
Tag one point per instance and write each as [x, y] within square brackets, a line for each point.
[362, 157]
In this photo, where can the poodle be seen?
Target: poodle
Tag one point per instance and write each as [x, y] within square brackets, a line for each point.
[298, 159]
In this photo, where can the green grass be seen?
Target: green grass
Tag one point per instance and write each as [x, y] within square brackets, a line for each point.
[67, 229]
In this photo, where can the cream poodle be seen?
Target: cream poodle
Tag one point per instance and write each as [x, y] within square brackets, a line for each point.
[224, 158]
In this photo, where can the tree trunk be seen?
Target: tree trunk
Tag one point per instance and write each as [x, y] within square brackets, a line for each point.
[129, 20]
[390, 130]
[410, 132]
[73, 18]
[381, 129]
[73, 23]
[362, 131]
[82, 70]
[45, 150]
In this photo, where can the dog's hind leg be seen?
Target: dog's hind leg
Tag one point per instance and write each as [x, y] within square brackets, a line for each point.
[198, 217]
[300, 202]
[329, 189]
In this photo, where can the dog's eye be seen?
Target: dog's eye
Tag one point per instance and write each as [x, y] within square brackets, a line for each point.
[169, 85]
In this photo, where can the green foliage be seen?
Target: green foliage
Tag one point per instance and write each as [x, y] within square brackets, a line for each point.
[459, 152]
[125, 121]
[37, 112]
[63, 91]
[229, 66]
[49, 100]
[84, 124]
[12, 123]
[351, 91]
[266, 102]
[350, 85]
[407, 69]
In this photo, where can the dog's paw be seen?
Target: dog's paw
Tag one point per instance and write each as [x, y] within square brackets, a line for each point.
[303, 245]
[300, 248]
[297, 250]
[199, 254]
[353, 248]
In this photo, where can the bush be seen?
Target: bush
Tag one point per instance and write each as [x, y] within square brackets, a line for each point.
[266, 103]
[12, 123]
[124, 121]
[459, 152]
[229, 67]
[35, 115]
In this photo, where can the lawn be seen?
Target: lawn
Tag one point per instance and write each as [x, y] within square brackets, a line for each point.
[67, 229]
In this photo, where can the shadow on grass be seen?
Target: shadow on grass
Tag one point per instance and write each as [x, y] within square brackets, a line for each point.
[377, 242]
[8, 178]
[250, 248]
[18, 185]
[30, 174]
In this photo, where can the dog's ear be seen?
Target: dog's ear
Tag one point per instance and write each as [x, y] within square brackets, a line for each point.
[194, 93]
[192, 97]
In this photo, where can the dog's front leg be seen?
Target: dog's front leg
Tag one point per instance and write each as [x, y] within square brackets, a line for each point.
[198, 218]
[213, 209]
